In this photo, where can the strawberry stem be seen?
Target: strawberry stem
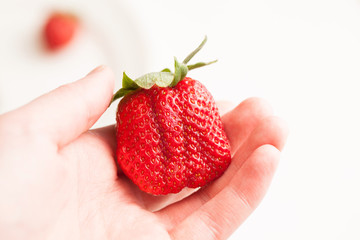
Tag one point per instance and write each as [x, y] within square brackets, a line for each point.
[165, 78]
[192, 54]
[200, 64]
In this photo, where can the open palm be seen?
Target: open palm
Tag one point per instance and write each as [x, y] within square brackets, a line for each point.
[65, 182]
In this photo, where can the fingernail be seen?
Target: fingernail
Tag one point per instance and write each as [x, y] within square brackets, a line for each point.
[96, 70]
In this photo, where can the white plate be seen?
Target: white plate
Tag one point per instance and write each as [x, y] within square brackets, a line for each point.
[108, 36]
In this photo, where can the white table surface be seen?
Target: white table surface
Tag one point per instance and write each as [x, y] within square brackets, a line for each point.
[302, 56]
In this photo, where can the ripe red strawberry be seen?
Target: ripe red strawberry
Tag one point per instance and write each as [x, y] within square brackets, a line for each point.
[59, 30]
[169, 133]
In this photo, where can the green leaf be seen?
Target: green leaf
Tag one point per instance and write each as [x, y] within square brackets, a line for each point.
[161, 79]
[120, 93]
[128, 83]
[180, 72]
[177, 74]
[166, 70]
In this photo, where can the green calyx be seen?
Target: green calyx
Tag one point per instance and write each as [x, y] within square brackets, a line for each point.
[165, 78]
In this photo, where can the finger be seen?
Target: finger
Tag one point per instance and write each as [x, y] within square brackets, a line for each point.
[66, 112]
[107, 136]
[221, 215]
[271, 130]
[241, 121]
[248, 113]
[94, 158]
[155, 203]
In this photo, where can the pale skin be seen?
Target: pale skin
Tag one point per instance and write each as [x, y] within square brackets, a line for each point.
[59, 180]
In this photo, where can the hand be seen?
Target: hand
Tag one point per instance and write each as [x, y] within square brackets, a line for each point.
[59, 180]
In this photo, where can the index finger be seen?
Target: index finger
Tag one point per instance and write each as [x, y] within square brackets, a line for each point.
[64, 113]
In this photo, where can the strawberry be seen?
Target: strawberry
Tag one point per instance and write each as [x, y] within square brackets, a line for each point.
[169, 132]
[59, 30]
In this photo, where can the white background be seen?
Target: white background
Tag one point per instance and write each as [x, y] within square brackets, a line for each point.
[302, 56]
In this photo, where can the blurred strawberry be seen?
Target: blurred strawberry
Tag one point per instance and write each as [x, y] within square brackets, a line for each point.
[60, 29]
